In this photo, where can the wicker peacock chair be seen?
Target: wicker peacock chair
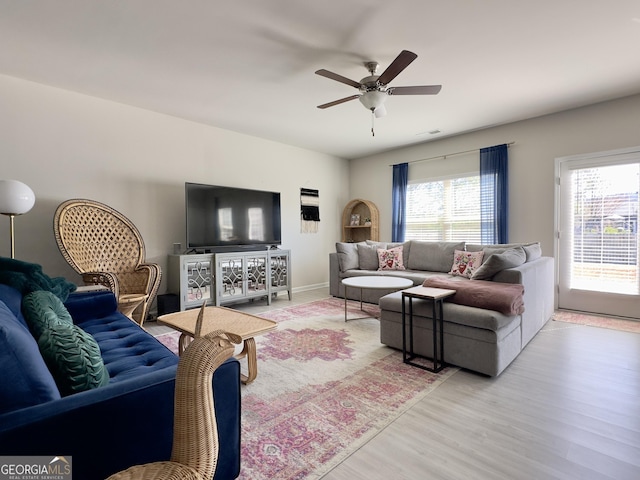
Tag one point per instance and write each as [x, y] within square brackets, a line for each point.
[194, 455]
[103, 246]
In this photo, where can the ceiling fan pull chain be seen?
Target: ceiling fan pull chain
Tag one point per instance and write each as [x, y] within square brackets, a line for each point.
[373, 118]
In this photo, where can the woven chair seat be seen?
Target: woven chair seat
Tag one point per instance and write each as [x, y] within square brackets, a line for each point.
[106, 248]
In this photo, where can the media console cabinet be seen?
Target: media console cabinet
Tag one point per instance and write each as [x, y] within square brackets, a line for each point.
[230, 277]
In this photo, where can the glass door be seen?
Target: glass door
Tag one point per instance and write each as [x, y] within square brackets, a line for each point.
[597, 241]
[199, 278]
[231, 277]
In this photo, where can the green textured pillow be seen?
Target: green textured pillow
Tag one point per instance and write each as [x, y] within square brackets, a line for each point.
[40, 308]
[73, 357]
[71, 354]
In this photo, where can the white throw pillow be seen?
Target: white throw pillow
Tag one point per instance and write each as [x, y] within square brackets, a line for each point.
[466, 263]
[390, 259]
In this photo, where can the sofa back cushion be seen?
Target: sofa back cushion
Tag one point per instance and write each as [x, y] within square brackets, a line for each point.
[12, 298]
[347, 256]
[368, 257]
[509, 258]
[532, 250]
[26, 380]
[432, 256]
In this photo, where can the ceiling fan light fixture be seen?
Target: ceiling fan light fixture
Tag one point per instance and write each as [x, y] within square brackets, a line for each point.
[373, 99]
[381, 111]
[374, 89]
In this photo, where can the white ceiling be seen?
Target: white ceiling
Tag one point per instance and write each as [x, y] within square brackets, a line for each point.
[248, 65]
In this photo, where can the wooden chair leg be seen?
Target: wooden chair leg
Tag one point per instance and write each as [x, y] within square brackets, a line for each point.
[249, 351]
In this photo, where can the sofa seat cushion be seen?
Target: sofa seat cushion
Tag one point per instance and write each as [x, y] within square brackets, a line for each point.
[26, 380]
[462, 315]
[127, 350]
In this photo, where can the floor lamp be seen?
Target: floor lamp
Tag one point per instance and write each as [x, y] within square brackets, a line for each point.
[16, 198]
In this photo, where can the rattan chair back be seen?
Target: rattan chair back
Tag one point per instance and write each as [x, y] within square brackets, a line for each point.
[106, 248]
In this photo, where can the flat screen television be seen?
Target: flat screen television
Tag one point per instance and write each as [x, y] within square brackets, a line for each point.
[222, 218]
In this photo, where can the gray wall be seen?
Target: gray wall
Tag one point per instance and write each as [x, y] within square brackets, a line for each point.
[538, 142]
[67, 145]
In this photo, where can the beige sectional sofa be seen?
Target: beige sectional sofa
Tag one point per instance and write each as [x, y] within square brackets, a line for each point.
[475, 338]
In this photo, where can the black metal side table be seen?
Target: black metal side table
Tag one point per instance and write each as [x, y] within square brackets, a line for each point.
[437, 296]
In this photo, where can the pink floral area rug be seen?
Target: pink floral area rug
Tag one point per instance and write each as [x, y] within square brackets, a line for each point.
[596, 321]
[169, 340]
[324, 388]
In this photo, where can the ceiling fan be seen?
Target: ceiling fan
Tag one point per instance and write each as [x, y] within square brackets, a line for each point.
[374, 89]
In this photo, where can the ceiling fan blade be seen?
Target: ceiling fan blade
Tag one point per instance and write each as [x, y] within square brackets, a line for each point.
[422, 90]
[338, 78]
[401, 62]
[338, 102]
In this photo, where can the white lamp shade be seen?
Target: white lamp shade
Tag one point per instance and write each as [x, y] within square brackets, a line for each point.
[16, 198]
[381, 111]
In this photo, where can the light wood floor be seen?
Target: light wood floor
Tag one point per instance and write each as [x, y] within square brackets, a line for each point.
[568, 407]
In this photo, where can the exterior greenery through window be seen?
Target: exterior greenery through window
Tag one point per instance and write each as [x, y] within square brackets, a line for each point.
[445, 209]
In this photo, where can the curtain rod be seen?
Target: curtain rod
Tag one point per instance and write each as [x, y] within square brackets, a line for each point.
[449, 155]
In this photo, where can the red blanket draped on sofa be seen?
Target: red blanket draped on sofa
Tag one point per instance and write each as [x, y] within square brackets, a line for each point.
[505, 298]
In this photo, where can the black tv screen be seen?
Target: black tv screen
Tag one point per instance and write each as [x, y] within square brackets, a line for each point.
[219, 216]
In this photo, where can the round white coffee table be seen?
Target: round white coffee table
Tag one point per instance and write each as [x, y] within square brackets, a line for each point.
[380, 282]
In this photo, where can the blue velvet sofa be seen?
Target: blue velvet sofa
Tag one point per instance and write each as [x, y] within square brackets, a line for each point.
[105, 429]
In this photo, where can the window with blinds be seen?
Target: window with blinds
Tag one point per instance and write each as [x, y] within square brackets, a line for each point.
[605, 229]
[444, 209]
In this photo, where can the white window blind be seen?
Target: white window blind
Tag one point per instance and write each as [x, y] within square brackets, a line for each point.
[605, 228]
[444, 209]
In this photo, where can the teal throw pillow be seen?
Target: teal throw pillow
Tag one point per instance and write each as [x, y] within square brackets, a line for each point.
[73, 357]
[71, 354]
[40, 309]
